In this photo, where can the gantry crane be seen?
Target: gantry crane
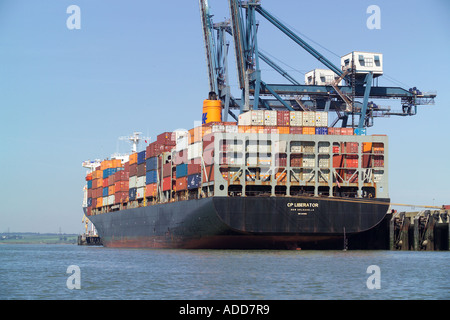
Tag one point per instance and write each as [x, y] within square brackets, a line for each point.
[350, 94]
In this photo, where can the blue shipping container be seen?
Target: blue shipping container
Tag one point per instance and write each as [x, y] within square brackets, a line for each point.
[108, 172]
[89, 184]
[89, 202]
[194, 180]
[132, 193]
[152, 164]
[182, 170]
[151, 177]
[105, 192]
[322, 130]
[141, 157]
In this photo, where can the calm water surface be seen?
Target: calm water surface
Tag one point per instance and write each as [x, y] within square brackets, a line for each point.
[40, 272]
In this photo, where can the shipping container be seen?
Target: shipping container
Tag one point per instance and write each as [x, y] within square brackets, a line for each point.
[351, 161]
[167, 170]
[321, 119]
[140, 181]
[283, 118]
[151, 177]
[111, 190]
[322, 130]
[151, 190]
[133, 169]
[151, 164]
[167, 184]
[140, 171]
[132, 182]
[141, 157]
[167, 138]
[296, 118]
[120, 186]
[132, 194]
[194, 166]
[309, 130]
[194, 181]
[133, 158]
[208, 174]
[309, 119]
[121, 197]
[181, 184]
[270, 117]
[140, 192]
[182, 170]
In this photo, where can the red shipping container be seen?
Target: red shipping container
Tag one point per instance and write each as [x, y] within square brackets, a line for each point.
[111, 179]
[105, 182]
[336, 149]
[122, 175]
[167, 183]
[283, 118]
[167, 138]
[126, 166]
[140, 170]
[296, 160]
[281, 160]
[151, 190]
[194, 167]
[121, 186]
[209, 176]
[296, 130]
[181, 184]
[351, 161]
[351, 147]
[347, 131]
[167, 170]
[337, 161]
[120, 197]
[367, 163]
[133, 169]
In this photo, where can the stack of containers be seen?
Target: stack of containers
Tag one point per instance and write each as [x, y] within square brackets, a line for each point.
[208, 158]
[89, 193]
[132, 184]
[108, 168]
[296, 122]
[121, 184]
[140, 175]
[321, 122]
[151, 177]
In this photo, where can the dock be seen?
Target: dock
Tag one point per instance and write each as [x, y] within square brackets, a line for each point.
[427, 230]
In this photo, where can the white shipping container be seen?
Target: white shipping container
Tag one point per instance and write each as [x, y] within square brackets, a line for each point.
[309, 119]
[132, 182]
[270, 117]
[321, 119]
[140, 182]
[111, 199]
[324, 163]
[296, 118]
[245, 119]
[231, 129]
[105, 201]
[308, 161]
[140, 192]
[257, 117]
[265, 160]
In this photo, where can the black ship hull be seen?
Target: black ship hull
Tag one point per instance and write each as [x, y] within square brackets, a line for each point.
[240, 223]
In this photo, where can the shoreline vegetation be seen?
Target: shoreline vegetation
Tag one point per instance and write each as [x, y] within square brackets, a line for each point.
[37, 238]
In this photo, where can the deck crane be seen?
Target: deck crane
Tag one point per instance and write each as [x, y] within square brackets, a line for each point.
[350, 95]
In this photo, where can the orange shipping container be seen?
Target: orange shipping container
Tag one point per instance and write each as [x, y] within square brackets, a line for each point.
[133, 158]
[99, 202]
[309, 130]
[111, 190]
[283, 130]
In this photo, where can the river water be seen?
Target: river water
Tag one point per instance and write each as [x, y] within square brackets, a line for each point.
[49, 272]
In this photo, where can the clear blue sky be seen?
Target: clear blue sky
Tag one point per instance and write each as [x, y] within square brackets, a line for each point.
[67, 95]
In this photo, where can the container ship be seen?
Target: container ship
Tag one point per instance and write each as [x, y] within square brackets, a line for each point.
[281, 175]
[275, 179]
